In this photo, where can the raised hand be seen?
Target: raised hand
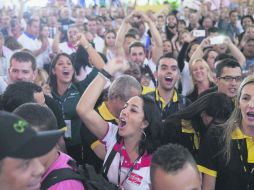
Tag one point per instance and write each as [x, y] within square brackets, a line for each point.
[117, 64]
[205, 42]
[81, 40]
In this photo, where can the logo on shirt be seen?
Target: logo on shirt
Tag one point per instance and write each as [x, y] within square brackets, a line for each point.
[134, 178]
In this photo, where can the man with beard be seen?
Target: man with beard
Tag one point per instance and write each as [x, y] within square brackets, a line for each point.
[171, 26]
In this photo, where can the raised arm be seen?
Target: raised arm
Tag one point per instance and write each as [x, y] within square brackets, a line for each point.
[157, 50]
[44, 47]
[236, 52]
[199, 52]
[21, 8]
[85, 108]
[55, 45]
[95, 58]
[121, 34]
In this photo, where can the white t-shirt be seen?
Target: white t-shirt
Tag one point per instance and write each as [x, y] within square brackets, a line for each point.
[186, 79]
[139, 177]
[152, 66]
[99, 43]
[3, 85]
[33, 44]
[29, 43]
[5, 62]
[65, 48]
[44, 57]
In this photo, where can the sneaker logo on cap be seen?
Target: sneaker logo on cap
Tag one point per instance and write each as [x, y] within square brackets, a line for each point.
[20, 126]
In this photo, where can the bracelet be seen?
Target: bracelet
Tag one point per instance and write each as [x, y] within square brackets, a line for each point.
[87, 46]
[106, 74]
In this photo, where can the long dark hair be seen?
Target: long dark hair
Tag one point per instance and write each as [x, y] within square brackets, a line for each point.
[215, 104]
[52, 76]
[153, 132]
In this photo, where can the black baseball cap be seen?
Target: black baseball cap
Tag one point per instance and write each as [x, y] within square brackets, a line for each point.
[19, 140]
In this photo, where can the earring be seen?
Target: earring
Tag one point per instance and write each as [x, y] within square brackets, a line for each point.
[144, 134]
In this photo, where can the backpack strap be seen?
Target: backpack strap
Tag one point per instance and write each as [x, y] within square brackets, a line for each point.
[59, 175]
[108, 162]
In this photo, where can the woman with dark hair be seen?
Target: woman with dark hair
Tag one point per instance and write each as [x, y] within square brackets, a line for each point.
[133, 140]
[188, 126]
[226, 155]
[66, 91]
[210, 57]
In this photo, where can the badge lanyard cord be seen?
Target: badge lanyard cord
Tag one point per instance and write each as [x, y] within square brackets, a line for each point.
[246, 169]
[129, 172]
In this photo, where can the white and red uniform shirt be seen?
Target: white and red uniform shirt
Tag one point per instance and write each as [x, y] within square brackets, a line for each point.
[139, 177]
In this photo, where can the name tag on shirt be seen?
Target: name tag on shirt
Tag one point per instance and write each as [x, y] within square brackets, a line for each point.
[136, 179]
[67, 133]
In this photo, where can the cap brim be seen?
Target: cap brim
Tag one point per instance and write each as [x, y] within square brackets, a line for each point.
[39, 145]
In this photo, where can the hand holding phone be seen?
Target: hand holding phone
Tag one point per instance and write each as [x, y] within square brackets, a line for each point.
[217, 40]
[199, 33]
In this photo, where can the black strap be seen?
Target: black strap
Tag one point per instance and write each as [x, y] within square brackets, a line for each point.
[108, 162]
[129, 172]
[59, 175]
[247, 169]
[150, 73]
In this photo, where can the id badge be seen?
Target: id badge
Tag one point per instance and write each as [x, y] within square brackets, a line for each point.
[67, 133]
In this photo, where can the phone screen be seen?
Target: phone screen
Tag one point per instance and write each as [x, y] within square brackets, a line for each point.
[217, 40]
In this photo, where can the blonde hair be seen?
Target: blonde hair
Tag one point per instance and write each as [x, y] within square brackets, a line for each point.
[205, 64]
[234, 120]
[42, 77]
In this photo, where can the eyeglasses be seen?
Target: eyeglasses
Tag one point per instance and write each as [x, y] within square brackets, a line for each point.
[230, 78]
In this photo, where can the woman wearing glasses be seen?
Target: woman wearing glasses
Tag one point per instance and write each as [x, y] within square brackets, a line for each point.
[227, 153]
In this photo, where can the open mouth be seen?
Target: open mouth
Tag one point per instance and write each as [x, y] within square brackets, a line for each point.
[233, 90]
[122, 123]
[250, 114]
[66, 73]
[168, 79]
[35, 185]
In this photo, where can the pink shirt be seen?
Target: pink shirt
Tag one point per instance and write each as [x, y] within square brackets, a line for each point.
[61, 162]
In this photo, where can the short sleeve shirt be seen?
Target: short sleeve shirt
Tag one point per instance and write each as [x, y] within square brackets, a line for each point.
[140, 176]
[62, 162]
[212, 161]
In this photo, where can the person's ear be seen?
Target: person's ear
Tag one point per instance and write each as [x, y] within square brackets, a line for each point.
[145, 124]
[156, 74]
[35, 74]
[53, 71]
[178, 75]
[216, 80]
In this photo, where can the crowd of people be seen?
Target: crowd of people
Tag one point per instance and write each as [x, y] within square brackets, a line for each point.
[165, 99]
